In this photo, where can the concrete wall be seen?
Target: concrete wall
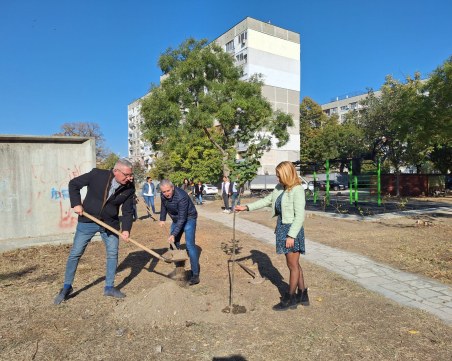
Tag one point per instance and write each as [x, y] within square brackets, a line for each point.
[34, 176]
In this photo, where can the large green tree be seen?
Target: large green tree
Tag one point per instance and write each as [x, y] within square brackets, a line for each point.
[202, 90]
[323, 137]
[188, 156]
[438, 105]
[397, 115]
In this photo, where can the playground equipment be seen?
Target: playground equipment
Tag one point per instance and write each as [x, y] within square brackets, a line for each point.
[363, 186]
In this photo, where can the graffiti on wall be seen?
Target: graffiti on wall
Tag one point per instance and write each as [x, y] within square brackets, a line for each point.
[67, 218]
[57, 191]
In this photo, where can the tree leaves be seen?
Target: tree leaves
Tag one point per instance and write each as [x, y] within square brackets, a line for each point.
[203, 95]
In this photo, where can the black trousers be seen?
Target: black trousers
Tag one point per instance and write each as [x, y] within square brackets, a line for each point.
[226, 201]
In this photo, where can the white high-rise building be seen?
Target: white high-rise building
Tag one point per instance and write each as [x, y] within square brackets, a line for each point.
[139, 150]
[261, 48]
[274, 52]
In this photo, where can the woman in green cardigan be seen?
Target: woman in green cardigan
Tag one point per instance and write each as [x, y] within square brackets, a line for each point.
[288, 203]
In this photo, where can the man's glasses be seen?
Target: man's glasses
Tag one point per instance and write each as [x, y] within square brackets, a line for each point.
[127, 175]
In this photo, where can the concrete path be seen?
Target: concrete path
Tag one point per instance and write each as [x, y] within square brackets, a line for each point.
[405, 288]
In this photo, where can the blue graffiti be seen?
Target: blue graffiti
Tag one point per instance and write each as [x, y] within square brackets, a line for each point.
[64, 194]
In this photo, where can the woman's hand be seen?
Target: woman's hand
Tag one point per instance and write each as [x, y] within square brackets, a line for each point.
[240, 208]
[290, 242]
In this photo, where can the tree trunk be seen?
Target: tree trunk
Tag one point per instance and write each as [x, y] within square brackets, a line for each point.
[397, 182]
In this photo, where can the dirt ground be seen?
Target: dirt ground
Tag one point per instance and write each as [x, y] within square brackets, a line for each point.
[162, 319]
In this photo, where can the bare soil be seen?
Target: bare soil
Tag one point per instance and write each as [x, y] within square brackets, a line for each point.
[163, 319]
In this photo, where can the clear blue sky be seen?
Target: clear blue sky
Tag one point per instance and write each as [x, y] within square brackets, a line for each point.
[86, 60]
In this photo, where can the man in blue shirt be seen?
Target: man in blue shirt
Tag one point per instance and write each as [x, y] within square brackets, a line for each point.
[148, 192]
[179, 206]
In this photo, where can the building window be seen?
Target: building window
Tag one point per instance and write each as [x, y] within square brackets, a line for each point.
[344, 107]
[354, 105]
[230, 45]
[242, 39]
[242, 57]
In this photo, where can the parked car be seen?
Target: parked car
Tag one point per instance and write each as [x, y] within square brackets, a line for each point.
[321, 185]
[304, 183]
[210, 189]
[311, 185]
[334, 185]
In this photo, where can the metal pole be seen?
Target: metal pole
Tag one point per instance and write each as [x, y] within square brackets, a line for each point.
[327, 186]
[379, 181]
[315, 186]
[350, 183]
[355, 178]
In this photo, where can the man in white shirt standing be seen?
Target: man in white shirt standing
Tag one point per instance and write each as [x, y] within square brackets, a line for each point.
[148, 192]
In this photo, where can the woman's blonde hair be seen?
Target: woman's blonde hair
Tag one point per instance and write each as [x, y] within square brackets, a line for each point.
[288, 175]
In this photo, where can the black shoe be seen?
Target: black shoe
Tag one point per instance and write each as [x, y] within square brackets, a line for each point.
[62, 295]
[302, 297]
[287, 302]
[114, 292]
[194, 280]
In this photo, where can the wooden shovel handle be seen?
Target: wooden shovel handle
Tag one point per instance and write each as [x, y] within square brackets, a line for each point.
[115, 231]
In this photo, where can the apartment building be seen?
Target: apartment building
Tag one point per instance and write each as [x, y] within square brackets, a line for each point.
[274, 52]
[139, 150]
[343, 104]
[258, 47]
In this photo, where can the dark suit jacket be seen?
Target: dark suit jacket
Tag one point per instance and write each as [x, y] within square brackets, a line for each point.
[98, 182]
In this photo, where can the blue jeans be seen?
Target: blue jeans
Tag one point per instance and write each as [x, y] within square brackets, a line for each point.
[234, 198]
[190, 231]
[150, 202]
[199, 198]
[83, 235]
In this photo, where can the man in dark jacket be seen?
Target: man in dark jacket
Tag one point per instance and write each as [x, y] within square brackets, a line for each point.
[107, 190]
[178, 204]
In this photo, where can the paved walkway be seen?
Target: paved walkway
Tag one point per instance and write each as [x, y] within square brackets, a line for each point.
[405, 288]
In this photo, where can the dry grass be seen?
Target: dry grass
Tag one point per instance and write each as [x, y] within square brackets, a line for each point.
[418, 244]
[158, 321]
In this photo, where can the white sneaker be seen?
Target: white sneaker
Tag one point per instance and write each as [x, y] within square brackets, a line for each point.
[226, 211]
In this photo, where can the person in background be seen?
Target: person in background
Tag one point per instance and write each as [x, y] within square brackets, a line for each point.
[186, 185]
[225, 193]
[148, 192]
[179, 206]
[192, 190]
[235, 191]
[135, 210]
[288, 204]
[107, 191]
[199, 188]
